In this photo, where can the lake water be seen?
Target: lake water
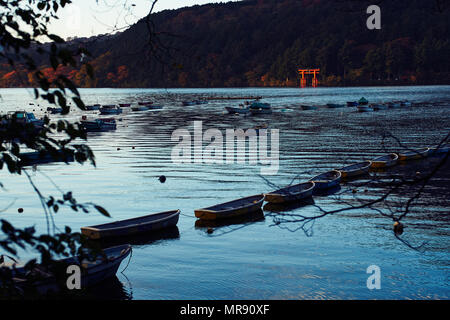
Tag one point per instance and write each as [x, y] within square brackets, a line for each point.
[255, 259]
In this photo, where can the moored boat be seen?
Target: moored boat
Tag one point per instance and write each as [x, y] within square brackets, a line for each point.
[188, 103]
[352, 103]
[385, 161]
[363, 101]
[129, 227]
[43, 280]
[413, 154]
[35, 157]
[291, 193]
[140, 108]
[356, 169]
[93, 107]
[257, 107]
[231, 209]
[124, 105]
[110, 109]
[97, 125]
[53, 110]
[145, 103]
[327, 180]
[25, 118]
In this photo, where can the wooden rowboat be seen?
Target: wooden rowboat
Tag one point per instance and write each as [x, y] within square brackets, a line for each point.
[232, 208]
[291, 193]
[149, 223]
[43, 280]
[327, 180]
[413, 154]
[355, 169]
[385, 161]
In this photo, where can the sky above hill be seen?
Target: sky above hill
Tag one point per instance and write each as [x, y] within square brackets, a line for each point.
[85, 18]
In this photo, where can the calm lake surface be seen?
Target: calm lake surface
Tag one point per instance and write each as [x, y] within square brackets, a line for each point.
[255, 259]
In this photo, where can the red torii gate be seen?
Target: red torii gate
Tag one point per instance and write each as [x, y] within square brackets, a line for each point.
[303, 72]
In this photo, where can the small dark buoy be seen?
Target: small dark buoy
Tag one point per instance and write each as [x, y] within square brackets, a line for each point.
[210, 230]
[20, 210]
[354, 191]
[162, 179]
[398, 228]
[365, 190]
[118, 149]
[133, 148]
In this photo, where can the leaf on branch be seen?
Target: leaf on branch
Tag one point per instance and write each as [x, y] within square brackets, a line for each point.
[102, 211]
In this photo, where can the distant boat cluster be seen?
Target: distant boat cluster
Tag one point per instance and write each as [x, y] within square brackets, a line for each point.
[362, 105]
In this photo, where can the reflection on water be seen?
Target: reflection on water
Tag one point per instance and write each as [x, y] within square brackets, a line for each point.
[258, 260]
[153, 238]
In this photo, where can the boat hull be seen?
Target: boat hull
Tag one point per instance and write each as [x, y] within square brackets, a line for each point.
[133, 226]
[355, 170]
[231, 209]
[413, 155]
[283, 196]
[384, 162]
[323, 183]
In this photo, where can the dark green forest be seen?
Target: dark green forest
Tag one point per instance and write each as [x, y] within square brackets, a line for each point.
[264, 42]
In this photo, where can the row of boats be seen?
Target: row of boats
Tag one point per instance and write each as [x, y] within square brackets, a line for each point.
[362, 105]
[319, 183]
[254, 108]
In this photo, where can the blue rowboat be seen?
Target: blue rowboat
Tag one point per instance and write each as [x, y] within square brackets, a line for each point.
[99, 125]
[413, 154]
[53, 278]
[110, 109]
[356, 169]
[291, 193]
[93, 107]
[36, 157]
[231, 209]
[385, 161]
[260, 108]
[129, 227]
[327, 180]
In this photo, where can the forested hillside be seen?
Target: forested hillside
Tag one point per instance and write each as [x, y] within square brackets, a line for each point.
[264, 42]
